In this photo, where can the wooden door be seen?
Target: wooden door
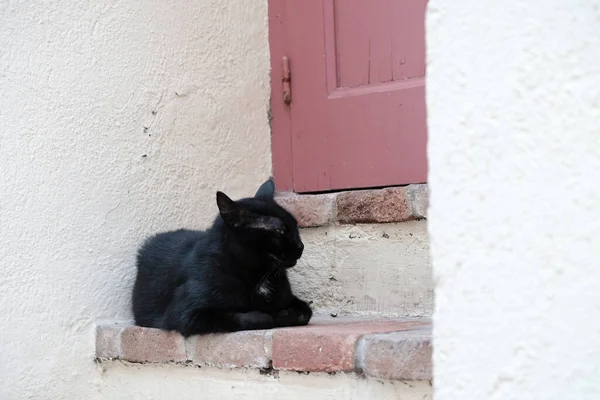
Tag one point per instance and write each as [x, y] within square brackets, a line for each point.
[357, 112]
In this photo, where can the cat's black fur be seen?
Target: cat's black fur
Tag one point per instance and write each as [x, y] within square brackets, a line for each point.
[228, 278]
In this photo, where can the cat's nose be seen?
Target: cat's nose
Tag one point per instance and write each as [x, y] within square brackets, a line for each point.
[300, 247]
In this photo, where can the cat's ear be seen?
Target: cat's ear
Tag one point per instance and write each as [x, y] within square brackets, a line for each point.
[225, 204]
[237, 216]
[266, 190]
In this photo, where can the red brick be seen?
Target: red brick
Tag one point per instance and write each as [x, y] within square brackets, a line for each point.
[397, 356]
[108, 341]
[151, 345]
[374, 206]
[418, 196]
[309, 210]
[239, 349]
[326, 348]
[386, 349]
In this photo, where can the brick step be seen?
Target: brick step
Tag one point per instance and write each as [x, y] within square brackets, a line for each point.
[393, 349]
[375, 206]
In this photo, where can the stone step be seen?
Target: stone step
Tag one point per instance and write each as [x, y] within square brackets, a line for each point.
[366, 251]
[391, 349]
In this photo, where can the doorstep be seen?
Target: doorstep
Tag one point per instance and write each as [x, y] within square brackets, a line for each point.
[374, 206]
[394, 349]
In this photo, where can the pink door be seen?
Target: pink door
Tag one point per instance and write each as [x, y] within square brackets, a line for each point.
[357, 88]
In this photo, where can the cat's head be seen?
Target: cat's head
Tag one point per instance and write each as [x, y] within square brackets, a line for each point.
[264, 226]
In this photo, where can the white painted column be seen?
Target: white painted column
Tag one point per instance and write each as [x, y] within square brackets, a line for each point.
[513, 97]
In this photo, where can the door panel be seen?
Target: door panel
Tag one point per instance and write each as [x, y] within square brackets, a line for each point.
[357, 117]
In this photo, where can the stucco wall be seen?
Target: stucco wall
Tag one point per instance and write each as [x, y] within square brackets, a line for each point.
[514, 136]
[133, 382]
[117, 119]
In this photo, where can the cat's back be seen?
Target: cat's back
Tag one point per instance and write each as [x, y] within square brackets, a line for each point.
[160, 267]
[167, 248]
[161, 260]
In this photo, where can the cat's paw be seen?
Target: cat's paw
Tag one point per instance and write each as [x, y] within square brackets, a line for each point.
[255, 320]
[293, 317]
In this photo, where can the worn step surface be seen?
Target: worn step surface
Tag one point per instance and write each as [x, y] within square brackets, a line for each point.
[366, 251]
[393, 349]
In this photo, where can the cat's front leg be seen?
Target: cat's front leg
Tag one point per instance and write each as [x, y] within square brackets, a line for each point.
[297, 313]
[215, 321]
[252, 320]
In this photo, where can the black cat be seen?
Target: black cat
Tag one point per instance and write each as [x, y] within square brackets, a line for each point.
[228, 278]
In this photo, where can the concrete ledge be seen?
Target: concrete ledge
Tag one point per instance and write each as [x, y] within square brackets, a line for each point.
[393, 204]
[387, 349]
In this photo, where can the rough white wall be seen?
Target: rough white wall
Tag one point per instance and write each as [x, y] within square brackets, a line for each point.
[132, 382]
[513, 96]
[117, 119]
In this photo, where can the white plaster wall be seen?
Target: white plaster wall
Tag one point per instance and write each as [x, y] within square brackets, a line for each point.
[117, 119]
[513, 95]
[146, 382]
